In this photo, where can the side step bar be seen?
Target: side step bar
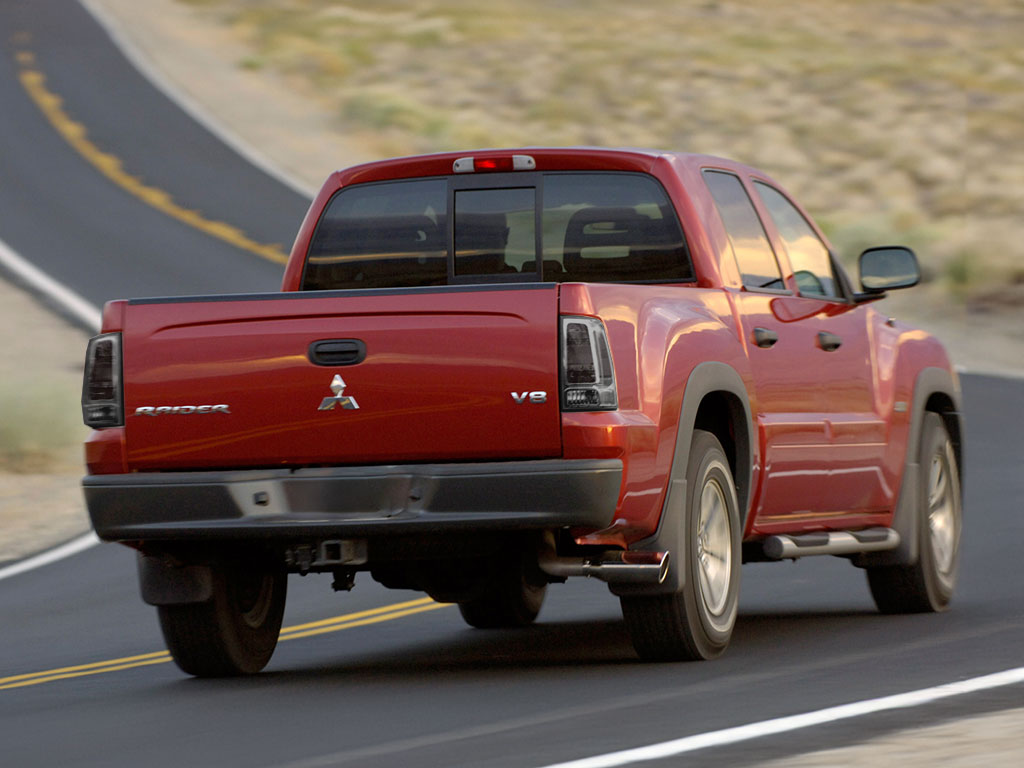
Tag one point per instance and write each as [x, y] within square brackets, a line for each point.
[615, 567]
[781, 547]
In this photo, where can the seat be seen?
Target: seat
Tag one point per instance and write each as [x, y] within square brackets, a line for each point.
[480, 242]
[651, 251]
[381, 251]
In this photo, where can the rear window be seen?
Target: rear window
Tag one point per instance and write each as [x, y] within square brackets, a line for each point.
[381, 236]
[582, 227]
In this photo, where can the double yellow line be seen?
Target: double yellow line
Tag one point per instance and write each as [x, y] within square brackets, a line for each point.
[81, 670]
[74, 133]
[359, 619]
[335, 624]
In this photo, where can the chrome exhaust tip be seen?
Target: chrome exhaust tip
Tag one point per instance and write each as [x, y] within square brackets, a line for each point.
[614, 566]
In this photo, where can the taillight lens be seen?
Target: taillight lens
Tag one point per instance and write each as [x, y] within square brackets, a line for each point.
[101, 387]
[588, 378]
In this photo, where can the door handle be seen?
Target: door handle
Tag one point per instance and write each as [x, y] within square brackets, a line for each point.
[829, 341]
[764, 338]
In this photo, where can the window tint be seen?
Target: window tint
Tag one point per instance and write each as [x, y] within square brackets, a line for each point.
[754, 255]
[611, 227]
[381, 235]
[597, 227]
[808, 256]
[494, 231]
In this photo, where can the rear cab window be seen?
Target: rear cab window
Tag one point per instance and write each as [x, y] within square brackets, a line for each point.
[503, 227]
[381, 235]
[495, 231]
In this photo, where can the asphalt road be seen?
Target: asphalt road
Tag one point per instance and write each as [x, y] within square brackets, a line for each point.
[407, 686]
[425, 690]
[96, 235]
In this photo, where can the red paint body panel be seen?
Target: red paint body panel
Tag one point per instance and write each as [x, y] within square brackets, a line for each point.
[830, 428]
[658, 334]
[436, 383]
[104, 452]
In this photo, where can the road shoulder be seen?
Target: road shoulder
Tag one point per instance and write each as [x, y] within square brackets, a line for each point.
[42, 505]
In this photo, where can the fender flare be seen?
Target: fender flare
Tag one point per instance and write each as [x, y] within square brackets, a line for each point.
[705, 379]
[930, 381]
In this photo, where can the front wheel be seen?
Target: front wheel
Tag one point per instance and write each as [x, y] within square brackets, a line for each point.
[696, 622]
[233, 633]
[927, 585]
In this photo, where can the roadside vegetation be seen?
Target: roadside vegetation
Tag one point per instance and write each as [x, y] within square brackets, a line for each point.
[890, 120]
[41, 430]
[41, 427]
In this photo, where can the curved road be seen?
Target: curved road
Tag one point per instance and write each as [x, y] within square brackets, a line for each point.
[378, 678]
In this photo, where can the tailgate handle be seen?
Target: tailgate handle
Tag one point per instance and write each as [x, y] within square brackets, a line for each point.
[337, 352]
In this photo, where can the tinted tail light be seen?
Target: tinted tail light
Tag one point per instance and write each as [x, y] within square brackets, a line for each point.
[588, 378]
[101, 388]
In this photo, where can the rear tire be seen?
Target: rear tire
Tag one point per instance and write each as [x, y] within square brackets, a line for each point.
[511, 595]
[697, 622]
[233, 633]
[927, 585]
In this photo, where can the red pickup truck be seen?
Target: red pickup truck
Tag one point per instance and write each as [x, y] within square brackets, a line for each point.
[491, 371]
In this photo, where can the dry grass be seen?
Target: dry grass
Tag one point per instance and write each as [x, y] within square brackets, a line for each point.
[890, 120]
[41, 426]
[41, 429]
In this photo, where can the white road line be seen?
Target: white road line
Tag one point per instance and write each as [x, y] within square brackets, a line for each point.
[72, 547]
[41, 282]
[88, 314]
[122, 40]
[779, 725]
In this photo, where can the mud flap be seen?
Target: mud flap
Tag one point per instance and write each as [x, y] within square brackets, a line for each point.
[162, 582]
[904, 522]
[671, 534]
[670, 537]
[930, 381]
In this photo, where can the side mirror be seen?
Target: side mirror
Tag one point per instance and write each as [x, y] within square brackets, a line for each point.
[887, 268]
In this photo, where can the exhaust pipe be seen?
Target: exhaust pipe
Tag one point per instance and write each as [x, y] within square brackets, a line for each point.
[615, 566]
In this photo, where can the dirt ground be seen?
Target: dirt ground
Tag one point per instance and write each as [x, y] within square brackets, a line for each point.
[294, 136]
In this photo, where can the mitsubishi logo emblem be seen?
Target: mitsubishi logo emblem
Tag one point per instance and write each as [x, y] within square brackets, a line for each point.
[339, 400]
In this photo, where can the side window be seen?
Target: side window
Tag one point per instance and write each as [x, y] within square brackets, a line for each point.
[754, 254]
[808, 256]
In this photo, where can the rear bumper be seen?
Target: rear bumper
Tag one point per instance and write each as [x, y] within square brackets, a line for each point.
[364, 502]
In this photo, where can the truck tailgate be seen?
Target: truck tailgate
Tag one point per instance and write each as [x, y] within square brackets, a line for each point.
[447, 375]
